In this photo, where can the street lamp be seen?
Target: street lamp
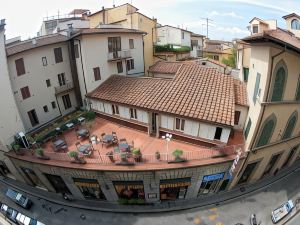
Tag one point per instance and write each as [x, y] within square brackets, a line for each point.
[168, 138]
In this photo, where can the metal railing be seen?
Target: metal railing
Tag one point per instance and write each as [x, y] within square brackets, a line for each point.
[62, 16]
[63, 88]
[119, 55]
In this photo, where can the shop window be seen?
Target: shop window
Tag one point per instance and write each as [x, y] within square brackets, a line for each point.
[290, 156]
[247, 172]
[271, 164]
[174, 189]
[32, 177]
[210, 183]
[4, 169]
[130, 189]
[89, 188]
[224, 185]
[58, 184]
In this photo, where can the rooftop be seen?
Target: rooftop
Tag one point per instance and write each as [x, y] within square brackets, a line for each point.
[196, 92]
[107, 31]
[291, 15]
[240, 93]
[35, 43]
[196, 155]
[165, 67]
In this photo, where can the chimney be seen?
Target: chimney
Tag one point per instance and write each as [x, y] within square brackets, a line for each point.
[102, 7]
[2, 24]
[70, 29]
[33, 41]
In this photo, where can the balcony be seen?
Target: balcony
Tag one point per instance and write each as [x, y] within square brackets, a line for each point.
[118, 55]
[64, 88]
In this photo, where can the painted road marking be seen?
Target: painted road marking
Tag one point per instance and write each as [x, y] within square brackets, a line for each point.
[197, 220]
[219, 223]
[213, 209]
[213, 217]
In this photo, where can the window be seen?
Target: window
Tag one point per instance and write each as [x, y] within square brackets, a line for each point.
[216, 57]
[66, 101]
[266, 131]
[237, 115]
[53, 105]
[25, 92]
[89, 188]
[115, 109]
[271, 164]
[133, 114]
[131, 43]
[120, 67]
[290, 126]
[45, 109]
[246, 131]
[20, 67]
[61, 79]
[58, 184]
[76, 51]
[256, 88]
[255, 29]
[279, 85]
[58, 55]
[129, 189]
[290, 156]
[32, 177]
[182, 34]
[295, 24]
[179, 124]
[218, 133]
[48, 83]
[246, 74]
[114, 44]
[298, 90]
[33, 117]
[130, 64]
[44, 61]
[247, 173]
[97, 74]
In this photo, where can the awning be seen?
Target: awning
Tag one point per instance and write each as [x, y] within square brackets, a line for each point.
[174, 183]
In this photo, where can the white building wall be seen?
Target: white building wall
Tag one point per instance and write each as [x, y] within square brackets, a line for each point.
[142, 116]
[35, 78]
[207, 131]
[124, 112]
[172, 35]
[243, 117]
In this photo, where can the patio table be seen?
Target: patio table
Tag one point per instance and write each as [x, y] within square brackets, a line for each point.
[70, 125]
[108, 138]
[81, 119]
[124, 147]
[59, 142]
[85, 148]
[82, 132]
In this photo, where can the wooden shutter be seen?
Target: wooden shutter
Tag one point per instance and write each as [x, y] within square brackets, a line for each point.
[76, 51]
[256, 88]
[246, 74]
[237, 115]
[20, 67]
[246, 132]
[25, 92]
[289, 127]
[266, 133]
[278, 85]
[298, 90]
[58, 55]
[97, 74]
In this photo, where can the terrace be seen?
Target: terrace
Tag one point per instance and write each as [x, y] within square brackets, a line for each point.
[154, 152]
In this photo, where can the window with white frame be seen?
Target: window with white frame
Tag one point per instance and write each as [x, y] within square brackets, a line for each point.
[179, 124]
[115, 109]
[130, 64]
[133, 114]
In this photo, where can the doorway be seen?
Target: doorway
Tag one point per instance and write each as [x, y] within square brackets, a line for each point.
[58, 184]
[154, 123]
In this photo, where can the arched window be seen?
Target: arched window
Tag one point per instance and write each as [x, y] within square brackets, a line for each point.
[279, 82]
[295, 24]
[290, 126]
[267, 131]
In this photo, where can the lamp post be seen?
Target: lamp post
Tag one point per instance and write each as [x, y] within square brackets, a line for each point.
[168, 138]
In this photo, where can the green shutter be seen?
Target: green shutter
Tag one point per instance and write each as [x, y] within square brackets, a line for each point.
[246, 131]
[289, 127]
[246, 74]
[266, 133]
[298, 90]
[278, 85]
[256, 88]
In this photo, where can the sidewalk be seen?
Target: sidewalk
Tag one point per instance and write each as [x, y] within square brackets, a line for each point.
[215, 199]
[3, 221]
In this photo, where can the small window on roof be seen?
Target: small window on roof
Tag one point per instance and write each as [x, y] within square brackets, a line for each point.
[295, 24]
[255, 29]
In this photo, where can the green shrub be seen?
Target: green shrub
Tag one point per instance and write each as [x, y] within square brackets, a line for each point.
[170, 48]
[140, 201]
[132, 201]
[39, 139]
[90, 115]
[73, 154]
[16, 147]
[177, 153]
[123, 201]
[39, 152]
[136, 151]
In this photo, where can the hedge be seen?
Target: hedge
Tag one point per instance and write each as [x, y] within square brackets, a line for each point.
[170, 48]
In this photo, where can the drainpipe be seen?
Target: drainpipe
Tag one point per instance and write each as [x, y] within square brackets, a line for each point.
[82, 66]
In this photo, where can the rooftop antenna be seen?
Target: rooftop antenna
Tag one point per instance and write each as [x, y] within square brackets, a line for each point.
[207, 20]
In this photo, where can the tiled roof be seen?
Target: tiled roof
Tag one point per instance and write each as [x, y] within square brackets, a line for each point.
[79, 11]
[196, 92]
[107, 31]
[291, 15]
[217, 63]
[40, 41]
[279, 36]
[165, 67]
[240, 93]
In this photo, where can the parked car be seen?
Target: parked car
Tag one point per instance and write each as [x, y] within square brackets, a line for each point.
[10, 213]
[25, 220]
[19, 198]
[282, 211]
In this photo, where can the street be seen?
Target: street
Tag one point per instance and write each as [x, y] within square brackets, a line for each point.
[236, 211]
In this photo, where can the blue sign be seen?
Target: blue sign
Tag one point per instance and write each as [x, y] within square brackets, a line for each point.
[216, 176]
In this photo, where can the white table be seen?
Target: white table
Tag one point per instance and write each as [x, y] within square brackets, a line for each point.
[70, 125]
[81, 119]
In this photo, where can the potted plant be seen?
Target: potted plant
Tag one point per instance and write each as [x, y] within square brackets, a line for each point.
[17, 149]
[177, 154]
[137, 155]
[76, 157]
[157, 155]
[40, 154]
[110, 155]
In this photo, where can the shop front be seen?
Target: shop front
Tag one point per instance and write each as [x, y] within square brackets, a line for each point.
[89, 188]
[174, 189]
[129, 189]
[211, 183]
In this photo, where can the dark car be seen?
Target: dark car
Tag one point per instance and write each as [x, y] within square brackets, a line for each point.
[19, 198]
[10, 213]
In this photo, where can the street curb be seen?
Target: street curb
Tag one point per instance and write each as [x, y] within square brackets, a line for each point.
[216, 199]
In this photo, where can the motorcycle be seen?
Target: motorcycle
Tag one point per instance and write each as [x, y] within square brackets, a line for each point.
[253, 220]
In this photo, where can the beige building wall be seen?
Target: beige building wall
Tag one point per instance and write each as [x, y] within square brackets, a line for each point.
[243, 117]
[289, 25]
[35, 78]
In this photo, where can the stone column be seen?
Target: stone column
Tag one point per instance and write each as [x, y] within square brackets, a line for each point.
[151, 187]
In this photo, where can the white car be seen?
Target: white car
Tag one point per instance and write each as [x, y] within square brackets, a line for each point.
[25, 220]
[282, 211]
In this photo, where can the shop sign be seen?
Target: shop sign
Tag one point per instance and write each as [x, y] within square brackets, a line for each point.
[216, 176]
[235, 162]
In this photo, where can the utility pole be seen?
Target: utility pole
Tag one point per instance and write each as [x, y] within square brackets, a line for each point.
[207, 20]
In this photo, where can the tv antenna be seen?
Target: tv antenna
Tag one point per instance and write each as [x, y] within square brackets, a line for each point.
[207, 21]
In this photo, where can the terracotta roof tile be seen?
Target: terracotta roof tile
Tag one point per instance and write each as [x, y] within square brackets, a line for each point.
[193, 89]
[165, 67]
[107, 31]
[240, 93]
[40, 41]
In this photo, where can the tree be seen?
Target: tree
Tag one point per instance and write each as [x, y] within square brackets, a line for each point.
[231, 60]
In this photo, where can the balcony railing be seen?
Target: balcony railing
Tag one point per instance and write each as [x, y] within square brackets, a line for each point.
[60, 89]
[117, 55]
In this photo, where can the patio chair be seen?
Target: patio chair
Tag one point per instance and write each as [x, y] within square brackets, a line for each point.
[123, 140]
[94, 139]
[77, 144]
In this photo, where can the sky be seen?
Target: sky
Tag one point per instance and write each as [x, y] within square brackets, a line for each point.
[228, 18]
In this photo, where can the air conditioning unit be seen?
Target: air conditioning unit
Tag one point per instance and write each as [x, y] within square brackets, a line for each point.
[22, 139]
